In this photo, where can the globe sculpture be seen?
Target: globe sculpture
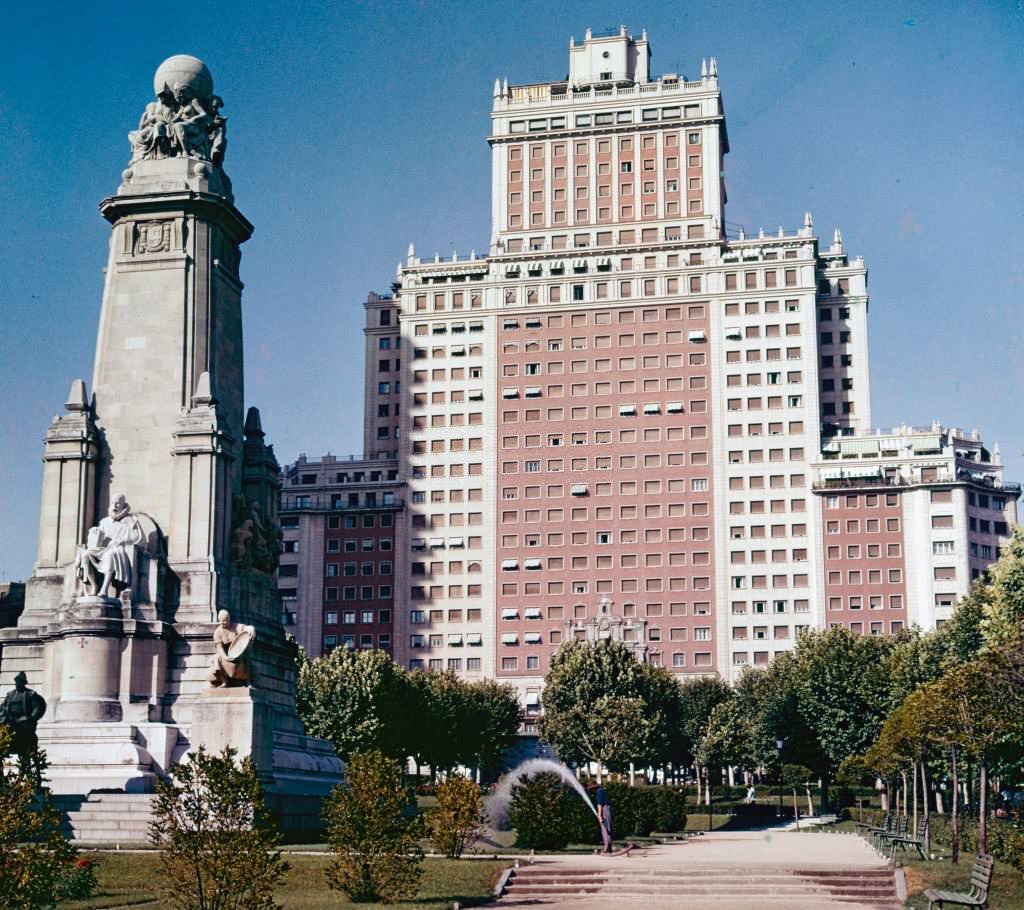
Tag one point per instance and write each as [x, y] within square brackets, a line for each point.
[185, 70]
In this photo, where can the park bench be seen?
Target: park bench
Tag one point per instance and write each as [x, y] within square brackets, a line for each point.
[864, 828]
[900, 829]
[981, 879]
[918, 842]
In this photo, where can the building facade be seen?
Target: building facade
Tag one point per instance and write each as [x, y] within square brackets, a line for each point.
[339, 521]
[624, 420]
[908, 518]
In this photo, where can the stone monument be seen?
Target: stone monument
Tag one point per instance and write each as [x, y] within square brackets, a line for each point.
[128, 615]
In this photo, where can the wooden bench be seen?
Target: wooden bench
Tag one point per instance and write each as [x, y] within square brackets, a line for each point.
[917, 842]
[901, 830]
[865, 827]
[888, 825]
[981, 880]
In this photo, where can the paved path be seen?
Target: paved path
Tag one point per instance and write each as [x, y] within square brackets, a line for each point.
[720, 870]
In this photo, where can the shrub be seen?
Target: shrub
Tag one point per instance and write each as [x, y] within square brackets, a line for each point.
[669, 808]
[216, 836]
[78, 880]
[34, 855]
[372, 827]
[582, 825]
[459, 817]
[540, 812]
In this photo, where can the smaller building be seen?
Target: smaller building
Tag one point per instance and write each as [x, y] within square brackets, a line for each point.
[909, 517]
[337, 571]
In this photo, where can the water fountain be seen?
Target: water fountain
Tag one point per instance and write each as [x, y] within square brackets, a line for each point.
[498, 802]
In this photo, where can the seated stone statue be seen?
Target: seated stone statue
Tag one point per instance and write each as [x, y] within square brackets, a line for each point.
[152, 139]
[192, 124]
[230, 665]
[105, 562]
[21, 711]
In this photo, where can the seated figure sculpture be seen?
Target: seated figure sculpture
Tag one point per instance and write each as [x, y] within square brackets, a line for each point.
[231, 641]
[153, 138]
[105, 562]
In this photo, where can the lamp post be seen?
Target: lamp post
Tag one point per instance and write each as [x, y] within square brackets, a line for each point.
[779, 743]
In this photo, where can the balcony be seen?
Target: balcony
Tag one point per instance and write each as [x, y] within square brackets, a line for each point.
[324, 502]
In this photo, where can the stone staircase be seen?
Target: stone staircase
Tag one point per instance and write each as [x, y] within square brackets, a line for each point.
[761, 887]
[107, 818]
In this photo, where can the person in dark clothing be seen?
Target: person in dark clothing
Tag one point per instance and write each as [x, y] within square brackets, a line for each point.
[604, 811]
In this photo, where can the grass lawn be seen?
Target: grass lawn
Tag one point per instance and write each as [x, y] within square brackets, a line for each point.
[128, 880]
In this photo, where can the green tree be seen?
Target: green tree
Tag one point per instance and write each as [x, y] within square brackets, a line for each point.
[795, 778]
[729, 738]
[373, 829]
[913, 659]
[448, 739]
[493, 723]
[357, 700]
[612, 732]
[216, 837]
[698, 697]
[597, 706]
[459, 817]
[984, 717]
[843, 691]
[34, 856]
[665, 700]
[771, 696]
[1004, 608]
[961, 638]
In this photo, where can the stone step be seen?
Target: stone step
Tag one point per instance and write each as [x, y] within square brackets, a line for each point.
[733, 887]
[85, 817]
[110, 836]
[787, 902]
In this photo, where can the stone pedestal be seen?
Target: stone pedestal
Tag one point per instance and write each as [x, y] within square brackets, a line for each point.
[234, 716]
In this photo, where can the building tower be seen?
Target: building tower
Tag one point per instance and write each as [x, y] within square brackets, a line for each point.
[615, 410]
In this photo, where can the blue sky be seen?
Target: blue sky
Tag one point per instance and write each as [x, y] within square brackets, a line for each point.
[356, 127]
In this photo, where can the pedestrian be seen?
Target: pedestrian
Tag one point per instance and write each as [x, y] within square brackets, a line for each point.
[751, 795]
[604, 812]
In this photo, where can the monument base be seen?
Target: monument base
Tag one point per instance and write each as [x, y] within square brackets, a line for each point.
[129, 758]
[235, 716]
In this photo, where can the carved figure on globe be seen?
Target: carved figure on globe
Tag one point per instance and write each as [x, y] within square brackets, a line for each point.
[185, 120]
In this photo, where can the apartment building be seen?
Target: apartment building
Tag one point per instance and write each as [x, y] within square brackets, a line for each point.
[909, 518]
[339, 522]
[625, 421]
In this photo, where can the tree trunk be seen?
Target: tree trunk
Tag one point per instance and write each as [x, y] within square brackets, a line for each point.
[903, 776]
[968, 783]
[914, 797]
[940, 805]
[924, 801]
[796, 810]
[983, 807]
[954, 820]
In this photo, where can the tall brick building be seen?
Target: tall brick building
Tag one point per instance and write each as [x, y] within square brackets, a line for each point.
[625, 421]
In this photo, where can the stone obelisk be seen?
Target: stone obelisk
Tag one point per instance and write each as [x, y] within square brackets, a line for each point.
[121, 612]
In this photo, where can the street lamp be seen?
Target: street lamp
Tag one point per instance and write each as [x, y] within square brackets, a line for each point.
[779, 743]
